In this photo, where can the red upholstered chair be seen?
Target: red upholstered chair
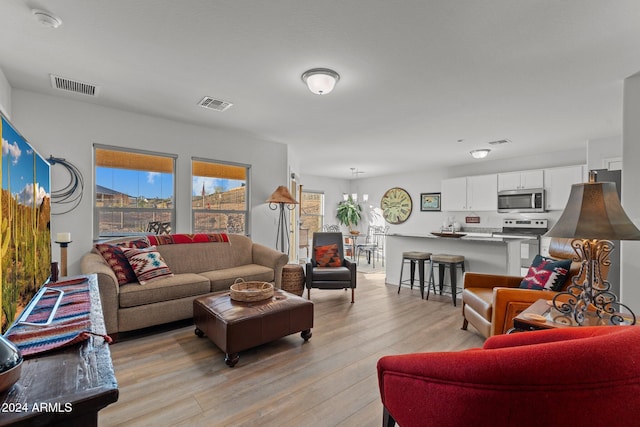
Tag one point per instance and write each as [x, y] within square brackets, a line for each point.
[567, 376]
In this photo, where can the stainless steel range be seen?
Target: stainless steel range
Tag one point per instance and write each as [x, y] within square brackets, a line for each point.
[530, 230]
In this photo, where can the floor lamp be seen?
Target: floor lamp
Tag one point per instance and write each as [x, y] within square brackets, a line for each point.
[279, 199]
[593, 218]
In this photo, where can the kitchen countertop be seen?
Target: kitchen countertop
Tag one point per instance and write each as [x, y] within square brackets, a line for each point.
[470, 236]
[483, 252]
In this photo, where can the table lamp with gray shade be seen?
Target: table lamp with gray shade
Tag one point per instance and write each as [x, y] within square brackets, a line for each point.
[593, 218]
[279, 199]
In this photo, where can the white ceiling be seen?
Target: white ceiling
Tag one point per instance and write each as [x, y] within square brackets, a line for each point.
[417, 76]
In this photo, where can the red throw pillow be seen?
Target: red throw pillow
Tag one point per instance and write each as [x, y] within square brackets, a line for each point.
[546, 273]
[328, 256]
[114, 255]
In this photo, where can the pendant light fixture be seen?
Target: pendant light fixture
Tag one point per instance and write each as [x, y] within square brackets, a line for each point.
[320, 81]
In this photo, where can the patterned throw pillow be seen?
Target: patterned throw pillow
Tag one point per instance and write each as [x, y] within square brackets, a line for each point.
[546, 273]
[114, 255]
[148, 264]
[328, 256]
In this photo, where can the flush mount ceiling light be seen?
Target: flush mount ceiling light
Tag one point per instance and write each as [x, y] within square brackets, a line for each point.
[47, 19]
[320, 81]
[479, 154]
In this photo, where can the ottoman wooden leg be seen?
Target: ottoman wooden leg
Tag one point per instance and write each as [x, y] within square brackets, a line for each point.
[231, 359]
[199, 333]
[306, 334]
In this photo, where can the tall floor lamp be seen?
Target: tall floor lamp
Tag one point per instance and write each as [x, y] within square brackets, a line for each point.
[593, 218]
[279, 199]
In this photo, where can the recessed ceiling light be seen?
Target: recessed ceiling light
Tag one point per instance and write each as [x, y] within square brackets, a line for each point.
[479, 154]
[500, 142]
[47, 19]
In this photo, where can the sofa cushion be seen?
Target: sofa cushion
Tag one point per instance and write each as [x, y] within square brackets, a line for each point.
[147, 264]
[201, 257]
[546, 273]
[327, 256]
[164, 289]
[223, 279]
[114, 255]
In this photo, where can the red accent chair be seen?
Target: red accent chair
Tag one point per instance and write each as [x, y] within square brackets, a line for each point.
[566, 376]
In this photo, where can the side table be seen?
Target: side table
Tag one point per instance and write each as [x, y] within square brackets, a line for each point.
[542, 315]
[293, 279]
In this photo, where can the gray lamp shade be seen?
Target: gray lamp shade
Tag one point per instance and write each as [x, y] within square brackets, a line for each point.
[594, 212]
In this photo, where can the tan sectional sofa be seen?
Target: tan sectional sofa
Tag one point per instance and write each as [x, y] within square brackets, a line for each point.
[198, 269]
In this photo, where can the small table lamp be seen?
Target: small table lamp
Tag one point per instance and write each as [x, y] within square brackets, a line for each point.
[280, 198]
[592, 218]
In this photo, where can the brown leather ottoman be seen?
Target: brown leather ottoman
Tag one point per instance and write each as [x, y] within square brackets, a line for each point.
[236, 326]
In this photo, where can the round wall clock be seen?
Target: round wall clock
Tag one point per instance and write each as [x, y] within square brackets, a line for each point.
[396, 205]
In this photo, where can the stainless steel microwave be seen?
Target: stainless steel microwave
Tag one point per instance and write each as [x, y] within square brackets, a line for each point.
[527, 200]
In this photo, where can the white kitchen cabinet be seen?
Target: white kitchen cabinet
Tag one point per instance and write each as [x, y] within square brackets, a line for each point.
[454, 194]
[482, 192]
[558, 182]
[471, 193]
[521, 180]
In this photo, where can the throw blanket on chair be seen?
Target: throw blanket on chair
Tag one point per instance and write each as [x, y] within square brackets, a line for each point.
[167, 239]
[71, 324]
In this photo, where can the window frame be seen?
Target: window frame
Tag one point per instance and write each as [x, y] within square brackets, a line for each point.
[97, 210]
[247, 211]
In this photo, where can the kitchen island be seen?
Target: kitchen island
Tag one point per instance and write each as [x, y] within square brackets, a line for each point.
[483, 253]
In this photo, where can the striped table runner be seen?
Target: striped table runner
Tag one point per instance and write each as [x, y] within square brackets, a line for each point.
[70, 325]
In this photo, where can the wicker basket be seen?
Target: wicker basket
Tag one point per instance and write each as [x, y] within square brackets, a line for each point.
[250, 291]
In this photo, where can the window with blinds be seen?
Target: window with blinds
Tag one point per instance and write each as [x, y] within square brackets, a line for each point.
[220, 197]
[134, 192]
[311, 211]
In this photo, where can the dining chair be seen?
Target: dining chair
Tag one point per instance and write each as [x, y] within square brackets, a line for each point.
[373, 246]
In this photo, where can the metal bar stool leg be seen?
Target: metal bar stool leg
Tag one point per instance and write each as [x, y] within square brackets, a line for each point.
[400, 281]
[432, 282]
[453, 273]
[421, 272]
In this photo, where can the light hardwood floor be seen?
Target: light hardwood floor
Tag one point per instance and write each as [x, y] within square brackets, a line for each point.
[173, 378]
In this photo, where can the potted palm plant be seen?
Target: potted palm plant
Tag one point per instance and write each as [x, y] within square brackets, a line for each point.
[349, 214]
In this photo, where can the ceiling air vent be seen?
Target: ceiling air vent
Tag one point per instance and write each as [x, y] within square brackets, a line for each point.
[75, 86]
[214, 104]
[499, 142]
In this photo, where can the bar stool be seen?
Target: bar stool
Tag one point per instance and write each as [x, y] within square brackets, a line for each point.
[443, 261]
[415, 257]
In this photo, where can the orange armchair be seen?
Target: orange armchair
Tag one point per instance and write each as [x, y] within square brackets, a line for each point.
[569, 376]
[490, 302]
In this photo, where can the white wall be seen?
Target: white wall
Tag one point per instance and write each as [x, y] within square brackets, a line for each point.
[68, 128]
[630, 289]
[601, 149]
[5, 95]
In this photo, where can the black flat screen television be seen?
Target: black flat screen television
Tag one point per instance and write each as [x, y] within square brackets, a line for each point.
[25, 215]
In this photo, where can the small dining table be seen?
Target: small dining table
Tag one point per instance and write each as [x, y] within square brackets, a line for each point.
[353, 240]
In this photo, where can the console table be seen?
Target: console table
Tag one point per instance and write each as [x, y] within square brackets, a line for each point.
[65, 387]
